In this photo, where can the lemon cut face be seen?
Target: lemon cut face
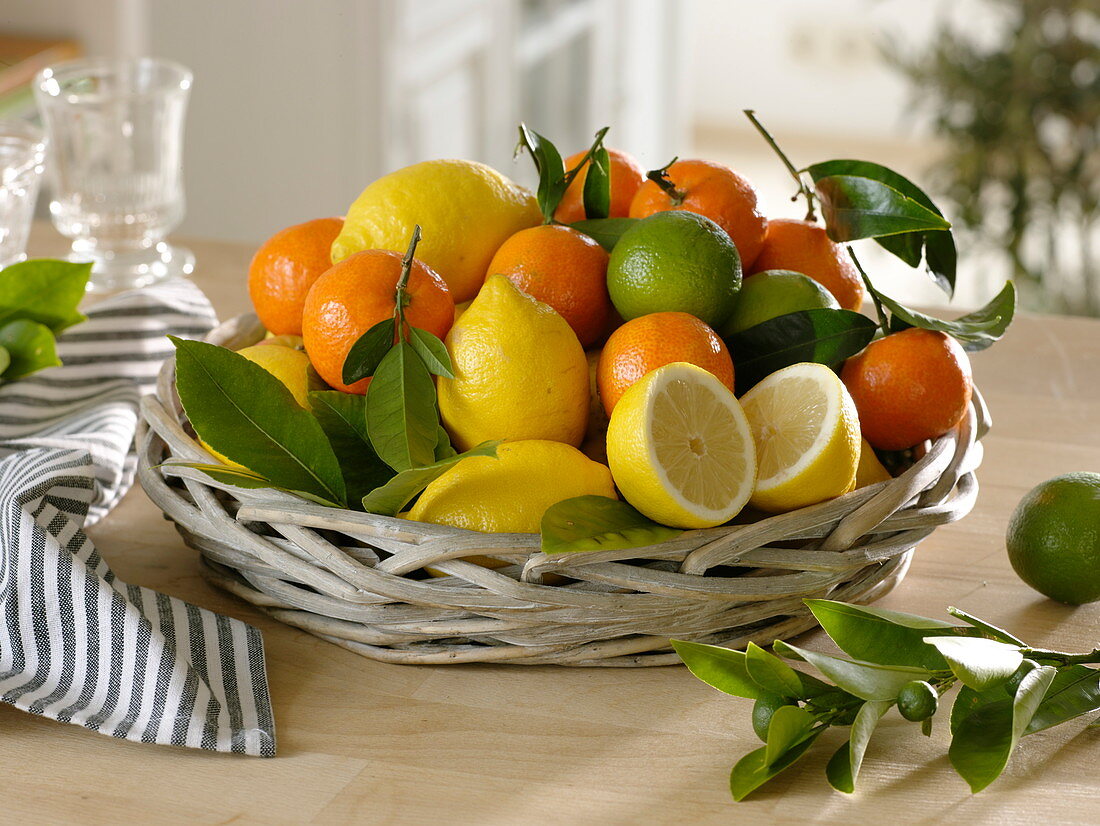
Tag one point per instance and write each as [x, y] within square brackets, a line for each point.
[807, 437]
[680, 448]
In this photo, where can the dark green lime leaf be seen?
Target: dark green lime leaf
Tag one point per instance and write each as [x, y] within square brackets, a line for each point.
[432, 352]
[402, 420]
[838, 771]
[868, 681]
[443, 447]
[550, 167]
[938, 246]
[367, 352]
[824, 336]
[855, 207]
[788, 727]
[597, 185]
[988, 630]
[5, 360]
[30, 347]
[598, 523]
[985, 738]
[44, 290]
[1074, 691]
[967, 701]
[978, 662]
[974, 331]
[771, 673]
[605, 231]
[343, 418]
[248, 415]
[244, 478]
[721, 668]
[392, 497]
[752, 772]
[878, 635]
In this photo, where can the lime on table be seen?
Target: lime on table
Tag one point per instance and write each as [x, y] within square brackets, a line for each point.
[675, 261]
[773, 293]
[1053, 538]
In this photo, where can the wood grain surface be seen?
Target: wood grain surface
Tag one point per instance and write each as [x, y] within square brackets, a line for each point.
[367, 742]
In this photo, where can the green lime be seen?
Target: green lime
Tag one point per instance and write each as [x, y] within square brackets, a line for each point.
[762, 712]
[772, 293]
[675, 260]
[917, 701]
[1053, 538]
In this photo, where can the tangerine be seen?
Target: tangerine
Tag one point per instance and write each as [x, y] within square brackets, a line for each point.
[803, 246]
[626, 176]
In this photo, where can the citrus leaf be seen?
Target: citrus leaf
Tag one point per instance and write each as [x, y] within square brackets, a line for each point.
[605, 231]
[752, 772]
[974, 331]
[868, 681]
[402, 420]
[788, 727]
[30, 347]
[855, 207]
[432, 352]
[550, 167]
[985, 738]
[598, 523]
[248, 415]
[391, 498]
[443, 447]
[988, 630]
[45, 290]
[978, 662]
[878, 635]
[824, 335]
[720, 668]
[343, 418]
[367, 352]
[771, 673]
[5, 360]
[843, 768]
[597, 185]
[1074, 691]
[838, 771]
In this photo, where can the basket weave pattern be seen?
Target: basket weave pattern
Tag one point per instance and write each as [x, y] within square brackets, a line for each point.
[357, 579]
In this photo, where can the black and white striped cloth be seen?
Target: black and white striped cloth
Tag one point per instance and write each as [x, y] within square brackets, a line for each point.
[76, 644]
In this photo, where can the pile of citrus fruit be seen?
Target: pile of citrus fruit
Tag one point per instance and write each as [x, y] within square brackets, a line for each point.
[604, 366]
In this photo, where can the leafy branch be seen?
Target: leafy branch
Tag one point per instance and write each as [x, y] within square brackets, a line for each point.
[555, 179]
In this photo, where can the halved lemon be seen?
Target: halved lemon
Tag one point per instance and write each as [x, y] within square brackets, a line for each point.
[807, 437]
[680, 448]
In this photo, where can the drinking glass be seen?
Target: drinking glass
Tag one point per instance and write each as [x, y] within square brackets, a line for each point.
[116, 137]
[22, 151]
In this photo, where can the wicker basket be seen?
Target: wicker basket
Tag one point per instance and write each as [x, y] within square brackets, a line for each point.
[357, 579]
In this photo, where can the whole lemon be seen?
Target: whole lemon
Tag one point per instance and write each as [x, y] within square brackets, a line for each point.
[520, 372]
[466, 210]
[509, 494]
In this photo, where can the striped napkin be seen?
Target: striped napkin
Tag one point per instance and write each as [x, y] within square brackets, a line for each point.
[76, 644]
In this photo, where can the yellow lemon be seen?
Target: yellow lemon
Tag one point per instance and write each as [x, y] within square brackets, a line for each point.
[520, 372]
[509, 494]
[807, 437]
[870, 469]
[465, 209]
[680, 448]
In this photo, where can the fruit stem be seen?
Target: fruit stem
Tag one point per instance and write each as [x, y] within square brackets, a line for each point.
[401, 297]
[803, 190]
[662, 179]
[883, 322]
[592, 150]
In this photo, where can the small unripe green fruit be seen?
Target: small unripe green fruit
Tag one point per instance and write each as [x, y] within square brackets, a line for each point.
[762, 713]
[917, 701]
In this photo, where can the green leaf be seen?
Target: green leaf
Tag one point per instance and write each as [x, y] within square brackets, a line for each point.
[605, 231]
[721, 668]
[30, 347]
[938, 246]
[402, 420]
[878, 635]
[367, 352]
[248, 415]
[988, 630]
[5, 360]
[978, 662]
[771, 673]
[45, 290]
[825, 336]
[343, 418]
[391, 498]
[855, 207]
[967, 701]
[752, 772]
[550, 167]
[975, 331]
[244, 478]
[788, 727]
[868, 681]
[598, 523]
[985, 738]
[1074, 691]
[843, 769]
[443, 447]
[432, 352]
[838, 771]
[597, 185]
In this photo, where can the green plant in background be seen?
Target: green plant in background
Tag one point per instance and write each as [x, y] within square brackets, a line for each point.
[38, 299]
[1020, 114]
[1008, 690]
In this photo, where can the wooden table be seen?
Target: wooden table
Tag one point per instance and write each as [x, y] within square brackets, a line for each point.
[361, 741]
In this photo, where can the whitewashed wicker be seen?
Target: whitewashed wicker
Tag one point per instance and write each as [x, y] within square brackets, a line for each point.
[358, 579]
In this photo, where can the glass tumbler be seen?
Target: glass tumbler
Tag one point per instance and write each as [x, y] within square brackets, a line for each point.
[116, 138]
[22, 152]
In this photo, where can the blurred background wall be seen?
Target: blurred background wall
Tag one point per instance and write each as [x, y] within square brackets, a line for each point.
[297, 105]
